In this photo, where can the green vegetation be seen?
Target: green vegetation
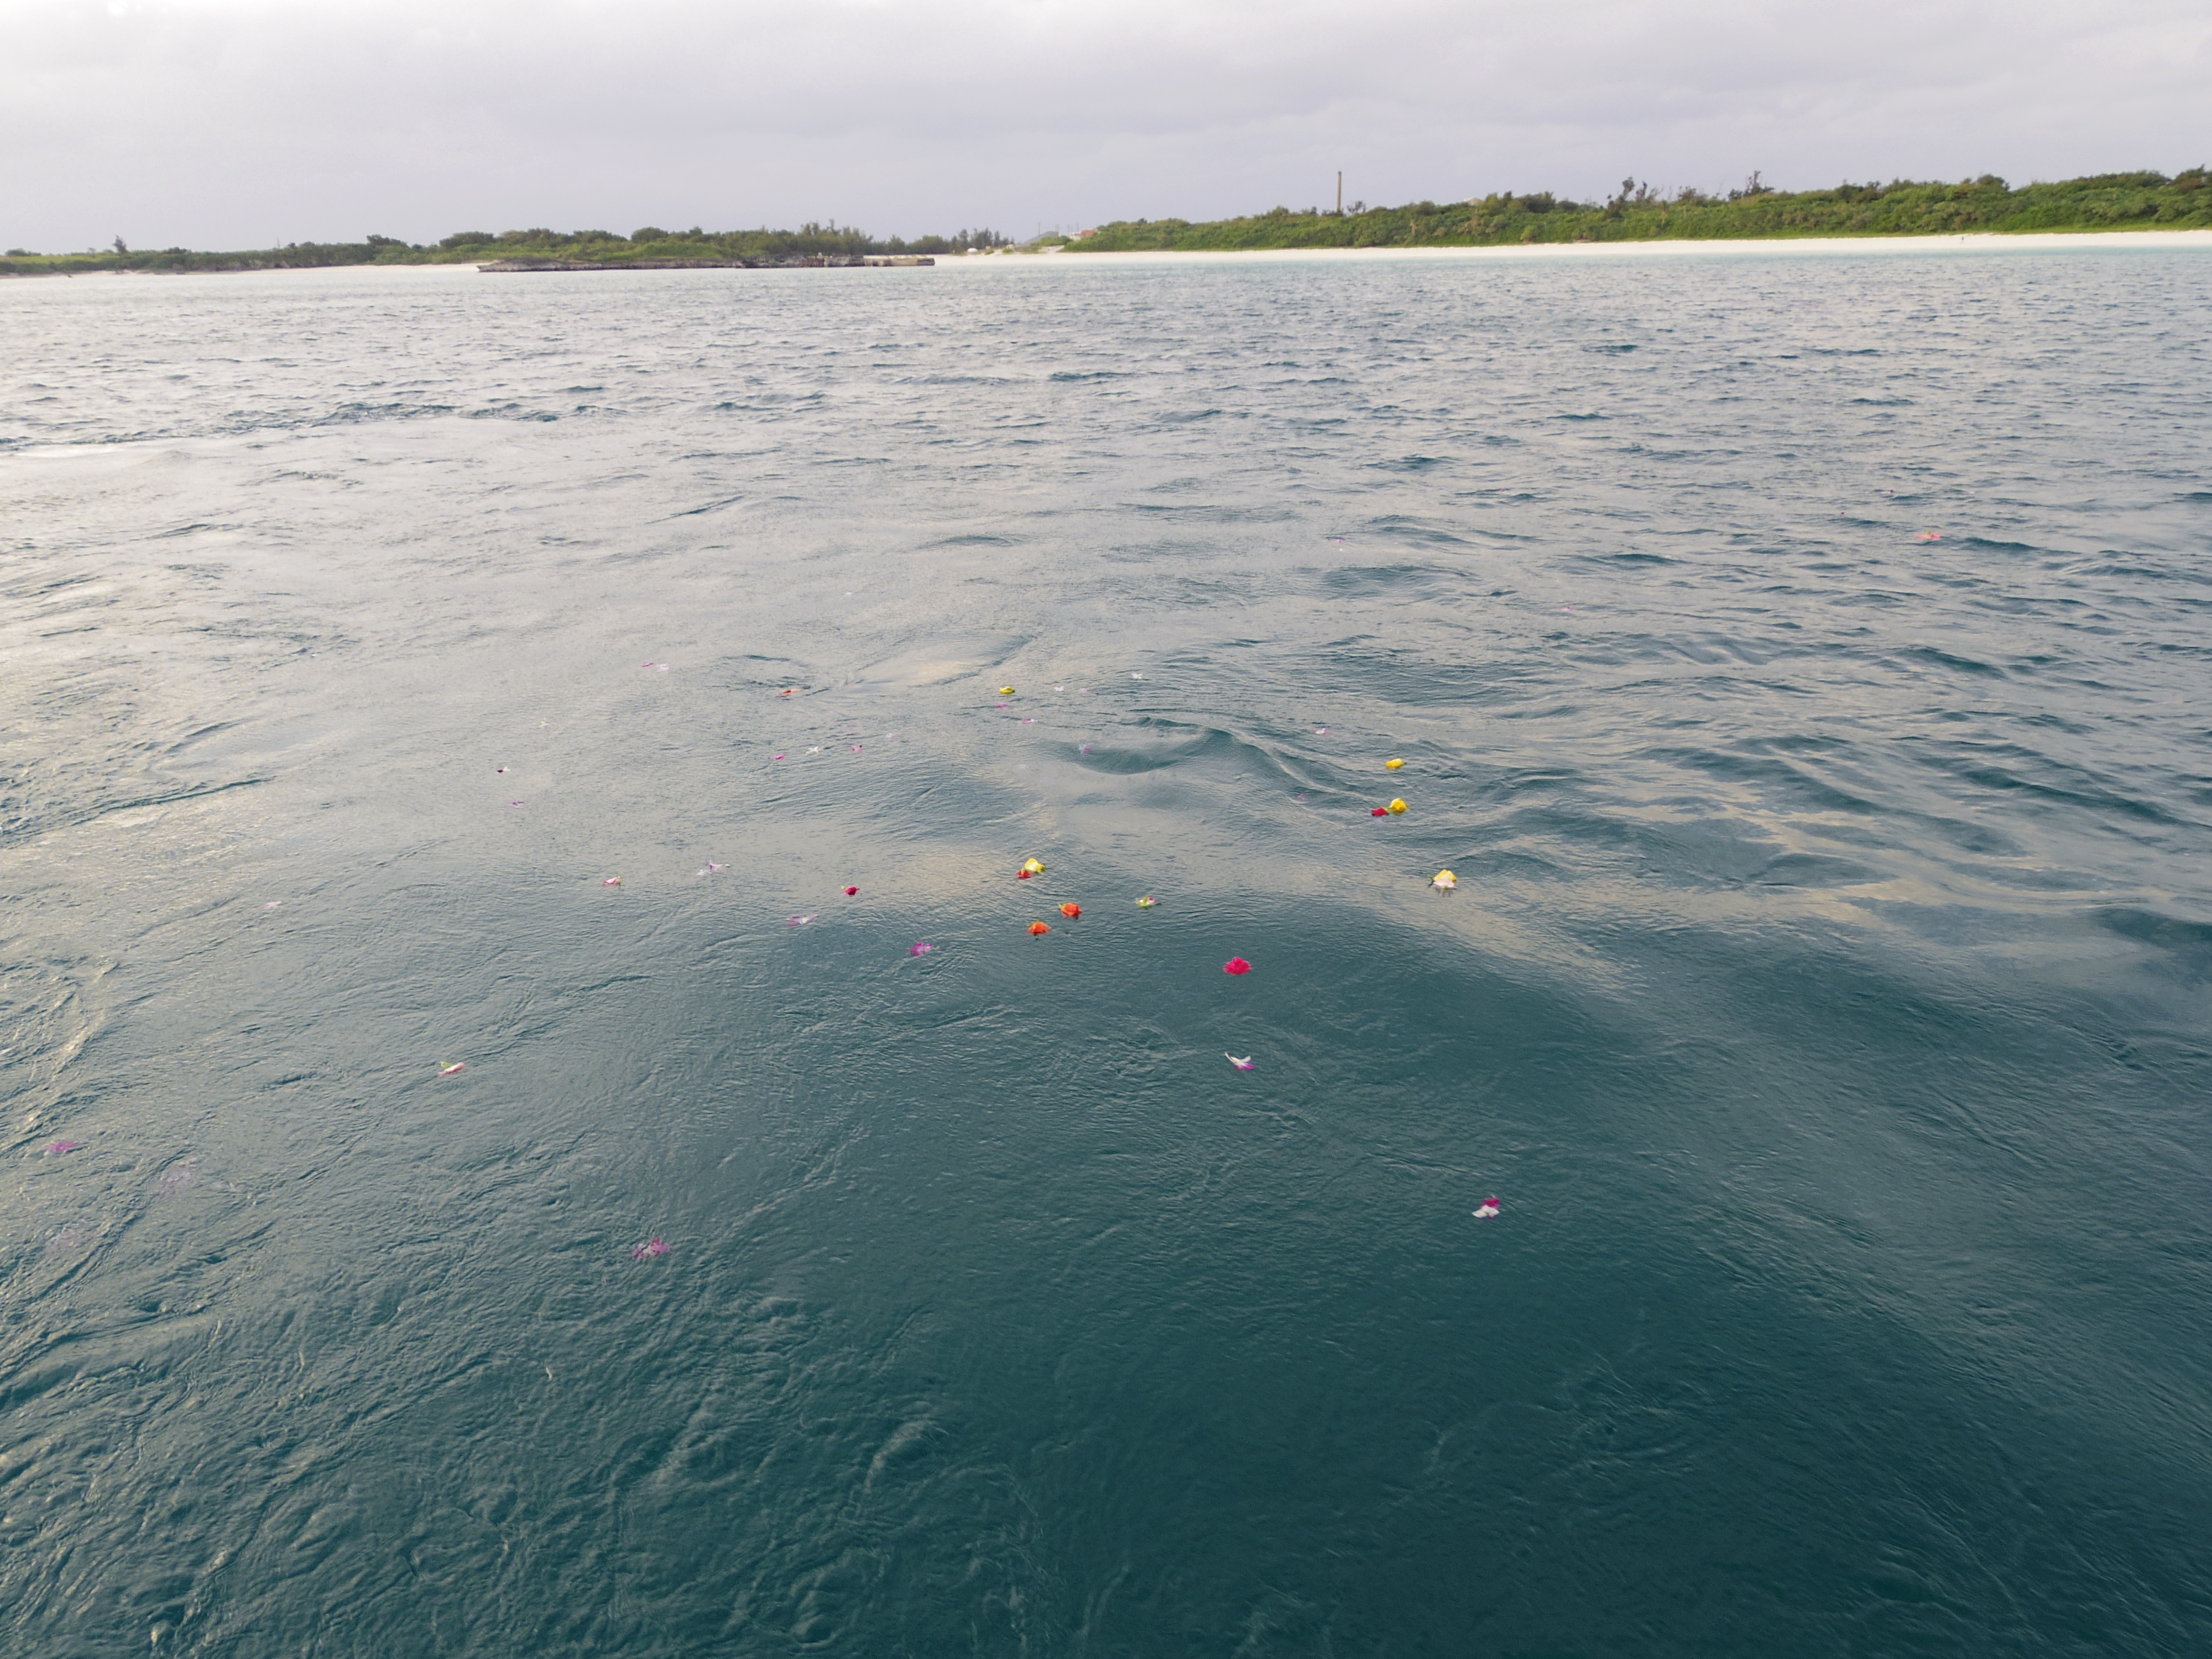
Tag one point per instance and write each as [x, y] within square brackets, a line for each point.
[764, 247]
[2111, 201]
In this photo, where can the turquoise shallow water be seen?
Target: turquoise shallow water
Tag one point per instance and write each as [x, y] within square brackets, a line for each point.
[1825, 996]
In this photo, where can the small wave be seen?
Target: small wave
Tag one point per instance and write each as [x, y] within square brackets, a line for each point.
[2187, 946]
[354, 414]
[1941, 658]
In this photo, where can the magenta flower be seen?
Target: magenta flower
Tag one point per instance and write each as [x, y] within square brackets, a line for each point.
[651, 1248]
[56, 1148]
[1236, 966]
[921, 947]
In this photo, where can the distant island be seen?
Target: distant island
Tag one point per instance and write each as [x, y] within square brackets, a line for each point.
[648, 247]
[2107, 201]
[2110, 201]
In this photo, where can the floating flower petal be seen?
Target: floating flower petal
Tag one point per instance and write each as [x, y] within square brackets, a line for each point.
[1006, 690]
[1235, 965]
[799, 921]
[1039, 928]
[457, 1066]
[1032, 867]
[1147, 902]
[1243, 1064]
[1380, 813]
[651, 1248]
[1489, 1209]
[1070, 911]
[1444, 881]
[921, 947]
[56, 1148]
[1393, 765]
[1397, 809]
[852, 892]
[611, 881]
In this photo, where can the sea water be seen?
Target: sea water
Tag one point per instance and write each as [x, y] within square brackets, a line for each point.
[1801, 663]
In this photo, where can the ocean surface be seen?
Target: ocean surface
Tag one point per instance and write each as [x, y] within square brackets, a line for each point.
[1803, 664]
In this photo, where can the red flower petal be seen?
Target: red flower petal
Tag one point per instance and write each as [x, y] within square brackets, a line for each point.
[1380, 813]
[1235, 965]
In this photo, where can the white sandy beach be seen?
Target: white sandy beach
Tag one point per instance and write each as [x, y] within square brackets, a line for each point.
[1773, 247]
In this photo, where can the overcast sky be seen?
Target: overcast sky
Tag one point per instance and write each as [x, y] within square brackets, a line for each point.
[219, 123]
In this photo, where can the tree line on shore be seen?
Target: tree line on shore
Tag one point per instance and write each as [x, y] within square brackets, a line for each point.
[2110, 201]
[761, 247]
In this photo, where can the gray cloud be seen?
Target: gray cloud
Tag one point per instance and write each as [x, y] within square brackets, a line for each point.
[244, 122]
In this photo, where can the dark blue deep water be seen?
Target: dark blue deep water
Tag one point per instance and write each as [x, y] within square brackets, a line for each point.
[1826, 996]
